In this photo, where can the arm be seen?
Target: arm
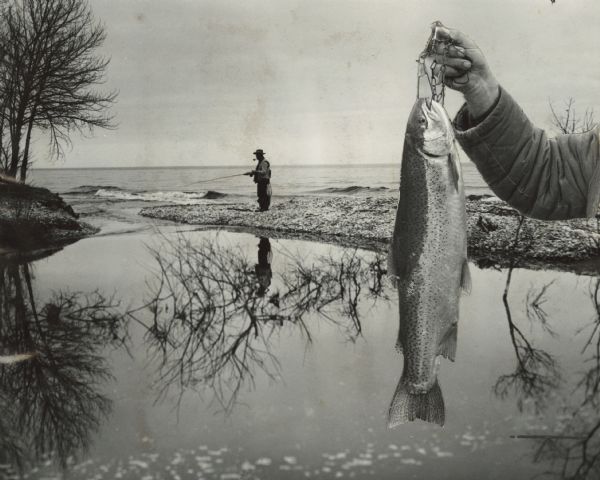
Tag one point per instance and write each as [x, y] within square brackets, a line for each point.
[544, 178]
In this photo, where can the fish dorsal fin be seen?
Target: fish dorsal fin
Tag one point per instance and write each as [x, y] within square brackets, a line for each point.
[465, 277]
[454, 173]
[447, 345]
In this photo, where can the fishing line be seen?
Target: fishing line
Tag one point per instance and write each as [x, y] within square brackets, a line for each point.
[216, 178]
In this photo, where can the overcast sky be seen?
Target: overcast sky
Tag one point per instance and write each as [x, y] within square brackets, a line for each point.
[206, 82]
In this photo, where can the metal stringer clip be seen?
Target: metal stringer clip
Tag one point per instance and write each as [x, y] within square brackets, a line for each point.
[430, 69]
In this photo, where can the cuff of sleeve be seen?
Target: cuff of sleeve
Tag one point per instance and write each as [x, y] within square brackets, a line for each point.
[468, 129]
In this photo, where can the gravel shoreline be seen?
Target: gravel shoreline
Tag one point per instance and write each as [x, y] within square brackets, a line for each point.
[498, 237]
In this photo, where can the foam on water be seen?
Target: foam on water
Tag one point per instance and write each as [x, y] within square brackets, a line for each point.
[180, 198]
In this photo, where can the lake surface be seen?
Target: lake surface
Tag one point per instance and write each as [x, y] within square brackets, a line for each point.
[189, 185]
[173, 353]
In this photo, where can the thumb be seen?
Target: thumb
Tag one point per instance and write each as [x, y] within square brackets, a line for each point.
[455, 36]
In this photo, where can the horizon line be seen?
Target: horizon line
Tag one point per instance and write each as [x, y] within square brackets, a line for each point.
[220, 166]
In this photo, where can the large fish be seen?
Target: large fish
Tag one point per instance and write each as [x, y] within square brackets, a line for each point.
[427, 260]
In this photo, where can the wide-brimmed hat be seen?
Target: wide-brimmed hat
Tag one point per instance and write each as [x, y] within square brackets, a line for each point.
[259, 152]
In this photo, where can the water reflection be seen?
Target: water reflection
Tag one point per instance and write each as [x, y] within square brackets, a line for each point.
[572, 448]
[213, 317]
[262, 269]
[575, 451]
[51, 403]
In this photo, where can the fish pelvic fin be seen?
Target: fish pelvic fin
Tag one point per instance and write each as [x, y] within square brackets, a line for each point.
[447, 345]
[392, 271]
[407, 406]
[465, 277]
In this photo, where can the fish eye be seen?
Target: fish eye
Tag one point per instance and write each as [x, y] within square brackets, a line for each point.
[422, 120]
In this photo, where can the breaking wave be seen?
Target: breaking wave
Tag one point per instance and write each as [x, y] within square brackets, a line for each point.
[181, 198]
[115, 193]
[354, 189]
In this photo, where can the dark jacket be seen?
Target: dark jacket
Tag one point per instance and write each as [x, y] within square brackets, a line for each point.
[546, 178]
[262, 173]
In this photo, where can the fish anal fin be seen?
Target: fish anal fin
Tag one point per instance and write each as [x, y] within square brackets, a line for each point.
[447, 345]
[398, 345]
[407, 406]
[465, 277]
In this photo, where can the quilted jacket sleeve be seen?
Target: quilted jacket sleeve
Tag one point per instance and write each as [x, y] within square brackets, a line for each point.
[542, 177]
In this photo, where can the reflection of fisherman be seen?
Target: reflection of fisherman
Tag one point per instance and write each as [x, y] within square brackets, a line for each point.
[262, 178]
[263, 267]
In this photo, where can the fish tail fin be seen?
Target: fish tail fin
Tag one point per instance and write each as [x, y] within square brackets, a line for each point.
[407, 406]
[447, 345]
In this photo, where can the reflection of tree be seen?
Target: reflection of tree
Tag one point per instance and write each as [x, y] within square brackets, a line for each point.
[212, 323]
[51, 403]
[536, 373]
[576, 452]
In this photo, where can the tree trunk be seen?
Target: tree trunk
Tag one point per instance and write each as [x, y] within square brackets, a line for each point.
[25, 161]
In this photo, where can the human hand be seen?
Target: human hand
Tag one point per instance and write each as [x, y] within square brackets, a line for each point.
[467, 70]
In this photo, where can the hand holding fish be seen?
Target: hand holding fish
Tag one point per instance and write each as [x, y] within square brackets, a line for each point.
[467, 70]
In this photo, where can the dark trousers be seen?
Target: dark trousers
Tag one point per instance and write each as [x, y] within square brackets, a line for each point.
[263, 190]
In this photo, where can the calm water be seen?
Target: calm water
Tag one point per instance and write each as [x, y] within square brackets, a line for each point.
[215, 355]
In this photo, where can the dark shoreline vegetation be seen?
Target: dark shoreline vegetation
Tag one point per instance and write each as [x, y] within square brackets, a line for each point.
[33, 218]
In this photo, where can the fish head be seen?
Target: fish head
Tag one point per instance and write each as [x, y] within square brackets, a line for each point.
[430, 128]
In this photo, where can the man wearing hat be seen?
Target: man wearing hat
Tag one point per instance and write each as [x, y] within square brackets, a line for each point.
[262, 178]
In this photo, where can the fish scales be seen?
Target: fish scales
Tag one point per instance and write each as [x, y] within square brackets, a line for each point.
[427, 260]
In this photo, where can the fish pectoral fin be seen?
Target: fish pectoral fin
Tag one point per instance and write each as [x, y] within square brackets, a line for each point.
[465, 277]
[407, 406]
[447, 345]
[454, 172]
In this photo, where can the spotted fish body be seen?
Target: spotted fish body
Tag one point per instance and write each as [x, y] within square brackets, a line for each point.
[427, 261]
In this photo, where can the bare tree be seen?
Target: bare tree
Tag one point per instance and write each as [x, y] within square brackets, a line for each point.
[568, 121]
[49, 71]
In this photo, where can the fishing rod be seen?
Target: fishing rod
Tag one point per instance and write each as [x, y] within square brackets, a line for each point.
[217, 178]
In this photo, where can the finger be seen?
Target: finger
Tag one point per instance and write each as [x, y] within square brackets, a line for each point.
[451, 72]
[455, 36]
[457, 82]
[459, 63]
[442, 48]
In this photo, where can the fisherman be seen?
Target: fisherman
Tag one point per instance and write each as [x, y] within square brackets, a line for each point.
[542, 177]
[262, 178]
